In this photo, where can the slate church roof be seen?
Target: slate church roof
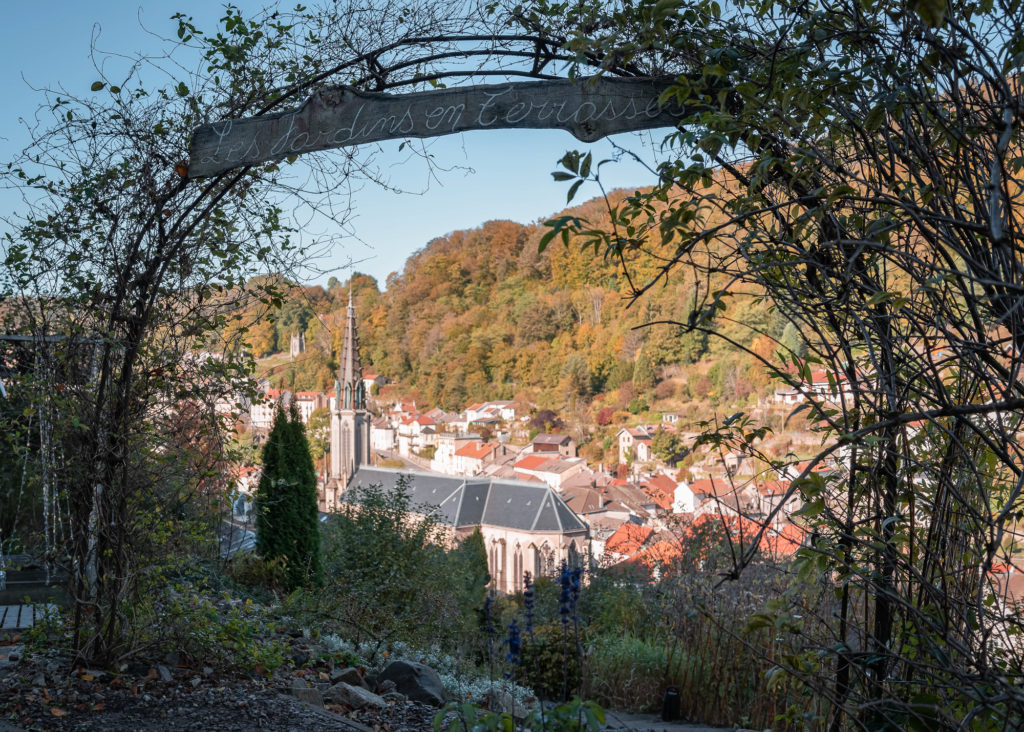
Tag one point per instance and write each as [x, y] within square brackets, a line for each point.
[467, 502]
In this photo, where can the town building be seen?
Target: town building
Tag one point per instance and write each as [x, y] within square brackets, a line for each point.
[562, 445]
[350, 421]
[525, 526]
[635, 444]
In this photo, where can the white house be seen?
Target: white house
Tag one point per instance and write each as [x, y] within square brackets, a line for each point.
[471, 458]
[383, 436]
[448, 443]
[683, 500]
[635, 441]
[263, 409]
[308, 402]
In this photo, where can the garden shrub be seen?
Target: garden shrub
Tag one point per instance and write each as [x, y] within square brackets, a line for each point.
[628, 672]
[384, 563]
[257, 573]
[550, 658]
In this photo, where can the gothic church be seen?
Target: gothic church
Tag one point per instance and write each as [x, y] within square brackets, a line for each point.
[350, 421]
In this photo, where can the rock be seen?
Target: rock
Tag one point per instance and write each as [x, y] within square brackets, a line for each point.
[196, 681]
[173, 659]
[386, 686]
[164, 672]
[39, 680]
[418, 682]
[503, 702]
[394, 696]
[207, 670]
[353, 696]
[350, 676]
[307, 694]
[300, 657]
[9, 656]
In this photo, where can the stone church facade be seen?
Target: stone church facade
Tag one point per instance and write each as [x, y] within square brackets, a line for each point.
[350, 420]
[525, 525]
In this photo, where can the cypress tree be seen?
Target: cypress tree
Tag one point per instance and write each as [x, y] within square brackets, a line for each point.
[643, 372]
[287, 523]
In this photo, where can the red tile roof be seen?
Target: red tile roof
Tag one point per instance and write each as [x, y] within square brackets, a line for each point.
[711, 487]
[628, 539]
[477, 450]
[662, 482]
[531, 462]
[772, 487]
[662, 552]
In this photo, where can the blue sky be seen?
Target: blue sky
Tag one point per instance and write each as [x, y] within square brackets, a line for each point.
[46, 42]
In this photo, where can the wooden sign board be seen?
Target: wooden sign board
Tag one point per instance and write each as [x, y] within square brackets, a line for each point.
[589, 108]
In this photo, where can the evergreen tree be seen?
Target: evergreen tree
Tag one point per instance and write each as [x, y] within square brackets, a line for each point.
[286, 508]
[793, 341]
[643, 372]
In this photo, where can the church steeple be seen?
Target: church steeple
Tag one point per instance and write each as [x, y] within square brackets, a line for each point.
[352, 391]
[350, 422]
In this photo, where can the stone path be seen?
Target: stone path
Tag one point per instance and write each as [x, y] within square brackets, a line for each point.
[653, 723]
[20, 617]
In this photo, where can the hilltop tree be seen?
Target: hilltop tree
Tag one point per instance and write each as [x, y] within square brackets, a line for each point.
[643, 372]
[318, 432]
[287, 523]
[792, 341]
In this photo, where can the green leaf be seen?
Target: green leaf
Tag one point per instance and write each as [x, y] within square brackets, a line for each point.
[932, 12]
[572, 190]
[545, 240]
[97, 86]
[874, 119]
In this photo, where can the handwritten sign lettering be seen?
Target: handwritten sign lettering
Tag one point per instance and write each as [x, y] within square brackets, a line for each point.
[588, 108]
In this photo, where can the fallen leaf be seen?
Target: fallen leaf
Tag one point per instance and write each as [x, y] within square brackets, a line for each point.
[57, 711]
[181, 169]
[152, 674]
[98, 707]
[88, 677]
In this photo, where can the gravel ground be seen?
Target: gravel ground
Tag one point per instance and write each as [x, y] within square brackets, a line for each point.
[40, 691]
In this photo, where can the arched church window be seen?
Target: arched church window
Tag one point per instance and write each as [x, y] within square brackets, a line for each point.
[547, 560]
[517, 569]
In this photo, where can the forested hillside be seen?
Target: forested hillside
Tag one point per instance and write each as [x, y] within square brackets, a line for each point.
[484, 314]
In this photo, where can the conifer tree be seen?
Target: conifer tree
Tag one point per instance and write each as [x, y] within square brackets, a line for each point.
[286, 508]
[643, 372]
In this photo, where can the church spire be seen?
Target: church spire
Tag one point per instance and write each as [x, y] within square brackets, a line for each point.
[351, 372]
[350, 422]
